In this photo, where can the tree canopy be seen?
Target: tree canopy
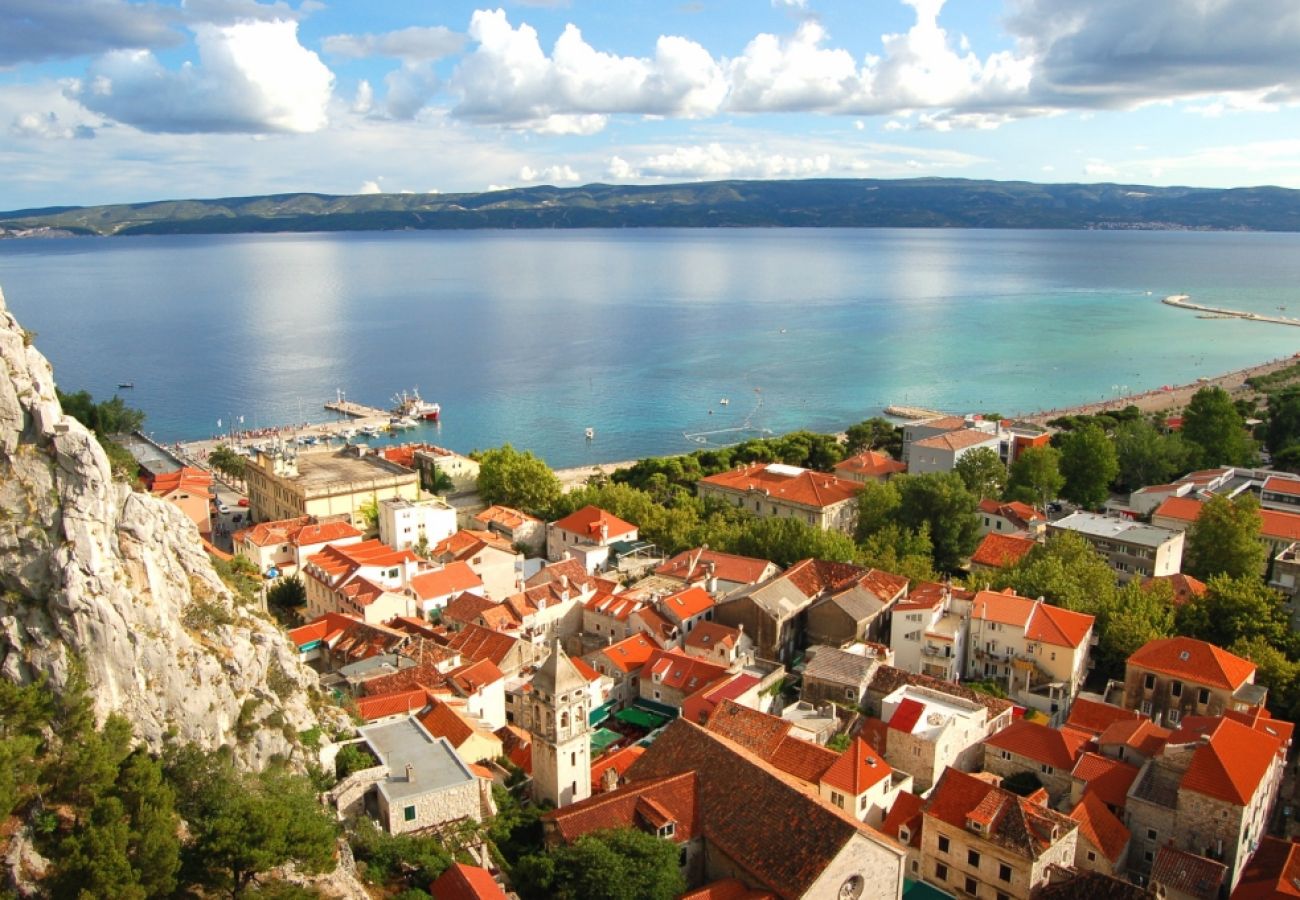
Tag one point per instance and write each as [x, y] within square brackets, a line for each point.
[616, 864]
[983, 472]
[517, 479]
[1224, 539]
[1035, 476]
[1088, 464]
[1213, 425]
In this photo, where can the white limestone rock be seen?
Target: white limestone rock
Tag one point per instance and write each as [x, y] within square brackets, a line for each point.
[117, 582]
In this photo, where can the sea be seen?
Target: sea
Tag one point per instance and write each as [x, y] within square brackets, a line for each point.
[658, 340]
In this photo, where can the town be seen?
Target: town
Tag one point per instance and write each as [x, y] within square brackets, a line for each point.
[965, 666]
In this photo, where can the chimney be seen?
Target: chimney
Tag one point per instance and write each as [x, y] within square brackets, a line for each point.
[711, 578]
[410, 772]
[604, 532]
[564, 582]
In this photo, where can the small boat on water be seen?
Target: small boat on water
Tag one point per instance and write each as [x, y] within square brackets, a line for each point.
[402, 422]
[126, 385]
[591, 433]
[372, 431]
[725, 401]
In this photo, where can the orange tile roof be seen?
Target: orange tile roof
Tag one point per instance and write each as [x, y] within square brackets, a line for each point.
[1040, 743]
[1186, 509]
[858, 769]
[584, 670]
[477, 642]
[707, 635]
[1059, 626]
[453, 578]
[1003, 607]
[1185, 587]
[591, 520]
[956, 440]
[698, 707]
[1261, 719]
[905, 813]
[690, 565]
[1013, 823]
[394, 704]
[466, 608]
[674, 794]
[871, 464]
[195, 481]
[616, 606]
[618, 760]
[500, 617]
[1099, 825]
[631, 653]
[1282, 485]
[1142, 735]
[444, 720]
[1091, 716]
[1188, 874]
[663, 630]
[465, 543]
[505, 516]
[694, 601]
[727, 889]
[929, 594]
[1000, 551]
[461, 882]
[340, 561]
[1195, 661]
[1110, 779]
[474, 676]
[811, 489]
[1273, 871]
[674, 669]
[568, 572]
[768, 738]
[1275, 524]
[1231, 763]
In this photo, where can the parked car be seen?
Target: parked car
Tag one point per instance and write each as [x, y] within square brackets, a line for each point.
[243, 501]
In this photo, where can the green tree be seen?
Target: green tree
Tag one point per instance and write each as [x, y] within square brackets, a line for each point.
[1283, 420]
[1276, 671]
[1066, 571]
[288, 593]
[874, 434]
[617, 864]
[983, 472]
[1234, 609]
[1088, 465]
[940, 501]
[1146, 456]
[226, 461]
[896, 549]
[1138, 614]
[517, 479]
[1224, 539]
[1214, 427]
[878, 504]
[94, 859]
[1035, 476]
[785, 541]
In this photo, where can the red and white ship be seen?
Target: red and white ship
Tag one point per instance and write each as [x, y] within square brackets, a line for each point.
[413, 406]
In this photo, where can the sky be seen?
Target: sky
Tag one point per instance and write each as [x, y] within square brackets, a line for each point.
[110, 101]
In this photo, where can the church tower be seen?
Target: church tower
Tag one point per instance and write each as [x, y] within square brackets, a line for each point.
[561, 733]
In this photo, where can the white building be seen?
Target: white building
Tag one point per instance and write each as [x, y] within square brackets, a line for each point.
[405, 524]
[1132, 549]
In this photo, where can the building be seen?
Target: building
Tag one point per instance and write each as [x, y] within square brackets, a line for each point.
[435, 588]
[472, 738]
[1278, 528]
[920, 429]
[189, 489]
[930, 629]
[1179, 875]
[519, 528]
[356, 577]
[687, 608]
[284, 546]
[927, 730]
[419, 781]
[410, 524]
[1273, 871]
[1000, 551]
[1010, 518]
[869, 466]
[1208, 791]
[284, 484]
[1169, 679]
[855, 611]
[561, 734]
[980, 840]
[489, 556]
[775, 490]
[718, 573]
[668, 677]
[1280, 491]
[461, 882]
[1103, 838]
[431, 461]
[942, 452]
[834, 675]
[1048, 754]
[1131, 549]
[622, 663]
[719, 644]
[588, 535]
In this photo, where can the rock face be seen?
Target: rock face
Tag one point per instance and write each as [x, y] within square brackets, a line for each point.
[102, 578]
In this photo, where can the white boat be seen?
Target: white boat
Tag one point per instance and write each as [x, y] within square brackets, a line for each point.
[413, 406]
[725, 401]
[372, 431]
[591, 433]
[402, 422]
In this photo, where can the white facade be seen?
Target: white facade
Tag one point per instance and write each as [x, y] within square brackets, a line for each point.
[404, 524]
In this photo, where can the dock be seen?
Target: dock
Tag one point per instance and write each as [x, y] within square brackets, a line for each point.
[912, 412]
[1182, 301]
[356, 410]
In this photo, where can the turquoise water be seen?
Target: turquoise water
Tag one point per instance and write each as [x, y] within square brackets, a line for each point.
[532, 337]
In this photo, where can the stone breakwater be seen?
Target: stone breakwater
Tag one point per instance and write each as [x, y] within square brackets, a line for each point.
[1182, 301]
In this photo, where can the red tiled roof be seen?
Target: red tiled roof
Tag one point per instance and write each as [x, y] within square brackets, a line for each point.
[1099, 825]
[1142, 735]
[905, 813]
[1011, 822]
[817, 576]
[474, 676]
[1110, 779]
[727, 889]
[505, 516]
[1091, 716]
[300, 531]
[394, 704]
[683, 605]
[1003, 607]
[1000, 551]
[1040, 743]
[1273, 871]
[1231, 764]
[476, 642]
[929, 594]
[871, 464]
[707, 635]
[195, 481]
[691, 565]
[453, 578]
[1059, 626]
[1282, 485]
[663, 630]
[616, 606]
[589, 522]
[461, 882]
[618, 760]
[698, 707]
[956, 440]
[1261, 719]
[858, 769]
[1184, 586]
[1187, 873]
[1275, 524]
[806, 488]
[584, 670]
[1196, 661]
[674, 794]
[678, 671]
[906, 715]
[631, 653]
[568, 572]
[466, 608]
[768, 738]
[467, 542]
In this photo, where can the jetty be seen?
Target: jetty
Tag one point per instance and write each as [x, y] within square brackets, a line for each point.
[356, 410]
[912, 412]
[1182, 301]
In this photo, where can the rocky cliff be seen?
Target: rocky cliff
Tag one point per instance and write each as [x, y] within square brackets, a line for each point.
[100, 577]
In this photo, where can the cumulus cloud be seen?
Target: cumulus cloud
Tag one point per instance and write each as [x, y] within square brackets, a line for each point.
[409, 89]
[36, 30]
[509, 79]
[416, 44]
[48, 127]
[561, 174]
[717, 161]
[252, 76]
[370, 186]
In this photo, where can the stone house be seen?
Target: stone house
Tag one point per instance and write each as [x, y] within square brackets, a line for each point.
[1049, 754]
[869, 466]
[491, 557]
[924, 731]
[719, 644]
[856, 612]
[670, 676]
[834, 675]
[980, 840]
[622, 663]
[286, 545]
[1103, 838]
[350, 578]
[942, 452]
[1179, 875]
[519, 528]
[434, 589]
[1169, 679]
[587, 534]
[687, 608]
[775, 490]
[718, 573]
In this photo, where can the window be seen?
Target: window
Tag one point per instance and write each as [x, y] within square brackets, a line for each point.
[972, 886]
[1151, 834]
[941, 871]
[1149, 856]
[1092, 857]
[973, 858]
[849, 694]
[1005, 754]
[409, 814]
[1174, 715]
[1004, 872]
[1149, 682]
[668, 830]
[1175, 689]
[1203, 696]
[943, 844]
[1046, 769]
[837, 799]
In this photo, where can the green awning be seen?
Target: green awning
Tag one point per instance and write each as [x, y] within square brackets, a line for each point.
[601, 713]
[601, 738]
[919, 890]
[663, 710]
[640, 718]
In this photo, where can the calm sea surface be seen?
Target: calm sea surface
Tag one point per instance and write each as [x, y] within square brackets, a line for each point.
[532, 337]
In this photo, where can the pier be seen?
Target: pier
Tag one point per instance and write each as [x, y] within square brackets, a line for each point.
[912, 412]
[1182, 301]
[356, 410]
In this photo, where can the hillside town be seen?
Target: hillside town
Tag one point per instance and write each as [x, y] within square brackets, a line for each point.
[808, 727]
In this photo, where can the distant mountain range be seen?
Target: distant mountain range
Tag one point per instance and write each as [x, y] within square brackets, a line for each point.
[851, 203]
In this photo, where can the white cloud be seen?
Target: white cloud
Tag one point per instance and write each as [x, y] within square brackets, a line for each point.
[422, 44]
[409, 89]
[47, 127]
[790, 4]
[1098, 169]
[509, 79]
[561, 174]
[364, 99]
[252, 77]
[717, 161]
[370, 187]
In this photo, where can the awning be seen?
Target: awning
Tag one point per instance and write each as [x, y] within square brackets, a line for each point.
[663, 710]
[640, 718]
[601, 739]
[601, 713]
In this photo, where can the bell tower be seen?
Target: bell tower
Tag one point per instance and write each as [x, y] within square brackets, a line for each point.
[558, 710]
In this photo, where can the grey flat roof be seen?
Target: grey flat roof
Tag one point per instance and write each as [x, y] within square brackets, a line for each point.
[340, 466]
[384, 664]
[435, 765]
[1093, 525]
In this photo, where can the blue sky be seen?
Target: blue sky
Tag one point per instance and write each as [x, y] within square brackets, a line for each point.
[107, 101]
